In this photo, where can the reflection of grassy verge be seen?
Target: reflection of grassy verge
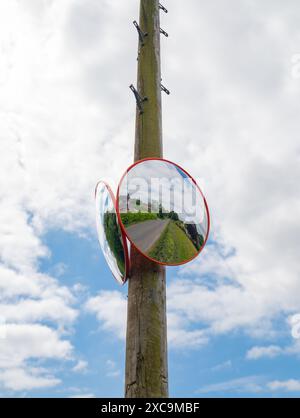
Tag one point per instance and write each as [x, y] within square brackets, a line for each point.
[113, 237]
[173, 246]
[131, 218]
[190, 229]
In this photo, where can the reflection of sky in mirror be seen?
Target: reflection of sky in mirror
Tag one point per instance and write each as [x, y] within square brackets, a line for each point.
[162, 182]
[105, 204]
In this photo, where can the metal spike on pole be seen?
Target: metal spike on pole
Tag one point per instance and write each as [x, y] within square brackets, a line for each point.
[146, 339]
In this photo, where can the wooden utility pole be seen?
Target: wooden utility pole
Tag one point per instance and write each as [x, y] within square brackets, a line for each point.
[146, 340]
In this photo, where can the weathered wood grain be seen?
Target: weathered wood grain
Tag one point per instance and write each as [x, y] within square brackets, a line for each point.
[146, 340]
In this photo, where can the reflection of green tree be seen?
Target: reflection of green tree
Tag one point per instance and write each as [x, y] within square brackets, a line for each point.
[113, 236]
[160, 211]
[174, 216]
[167, 215]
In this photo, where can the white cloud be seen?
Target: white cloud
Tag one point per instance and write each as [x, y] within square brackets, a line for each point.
[217, 310]
[110, 308]
[214, 293]
[248, 384]
[290, 385]
[50, 109]
[240, 138]
[294, 322]
[28, 298]
[83, 395]
[24, 343]
[54, 309]
[222, 366]
[251, 385]
[30, 341]
[179, 333]
[112, 369]
[18, 379]
[258, 352]
[80, 367]
[272, 351]
[53, 105]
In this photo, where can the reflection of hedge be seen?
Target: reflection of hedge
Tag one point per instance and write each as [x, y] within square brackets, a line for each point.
[173, 246]
[167, 215]
[191, 230]
[113, 237]
[197, 238]
[131, 218]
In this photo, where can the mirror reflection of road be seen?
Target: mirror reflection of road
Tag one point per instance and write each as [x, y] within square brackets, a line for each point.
[145, 234]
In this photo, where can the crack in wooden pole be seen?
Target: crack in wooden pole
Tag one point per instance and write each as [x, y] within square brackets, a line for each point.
[146, 374]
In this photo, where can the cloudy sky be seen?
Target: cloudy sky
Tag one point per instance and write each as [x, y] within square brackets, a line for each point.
[67, 120]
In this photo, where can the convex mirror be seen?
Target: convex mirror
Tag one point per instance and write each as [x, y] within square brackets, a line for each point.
[162, 211]
[111, 237]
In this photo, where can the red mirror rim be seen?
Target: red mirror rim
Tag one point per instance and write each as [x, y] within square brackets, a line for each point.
[124, 229]
[124, 242]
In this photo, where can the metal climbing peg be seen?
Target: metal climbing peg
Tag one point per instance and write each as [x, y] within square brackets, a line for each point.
[164, 32]
[142, 35]
[164, 89]
[139, 99]
[163, 8]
